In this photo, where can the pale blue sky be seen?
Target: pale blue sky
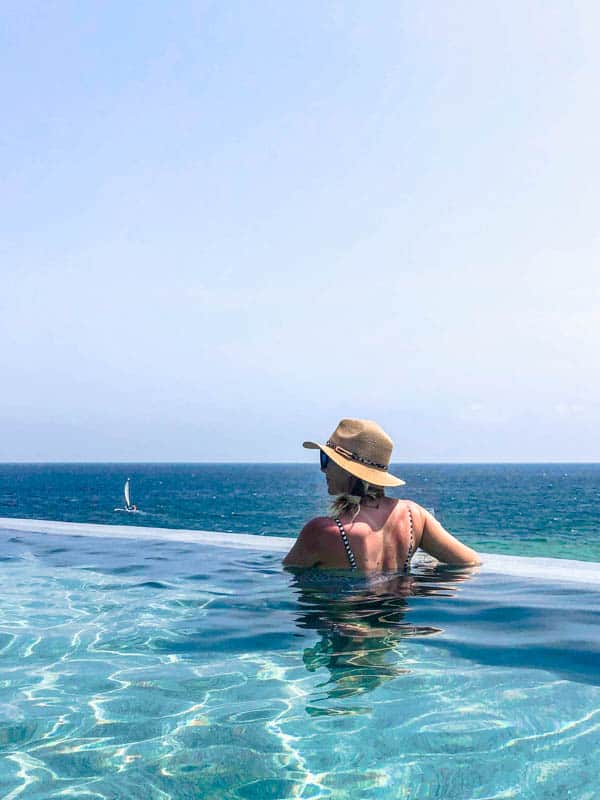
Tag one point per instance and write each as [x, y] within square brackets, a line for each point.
[223, 226]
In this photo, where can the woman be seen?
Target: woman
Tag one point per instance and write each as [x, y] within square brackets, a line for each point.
[367, 530]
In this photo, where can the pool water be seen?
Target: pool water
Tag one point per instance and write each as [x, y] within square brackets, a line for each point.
[152, 668]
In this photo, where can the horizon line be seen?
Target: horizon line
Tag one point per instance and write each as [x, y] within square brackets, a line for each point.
[235, 463]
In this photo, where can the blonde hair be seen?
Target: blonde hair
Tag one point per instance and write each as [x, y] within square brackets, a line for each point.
[351, 502]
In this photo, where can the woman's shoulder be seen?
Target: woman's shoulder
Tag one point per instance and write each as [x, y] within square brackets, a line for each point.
[403, 506]
[405, 512]
[313, 540]
[317, 526]
[409, 505]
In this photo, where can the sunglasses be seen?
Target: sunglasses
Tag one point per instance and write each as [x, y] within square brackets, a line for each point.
[324, 459]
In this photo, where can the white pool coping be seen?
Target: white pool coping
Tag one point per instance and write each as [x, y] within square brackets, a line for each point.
[552, 569]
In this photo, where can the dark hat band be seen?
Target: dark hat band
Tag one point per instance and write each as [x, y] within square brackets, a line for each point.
[355, 457]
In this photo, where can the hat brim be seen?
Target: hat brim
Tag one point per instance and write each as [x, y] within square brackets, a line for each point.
[377, 477]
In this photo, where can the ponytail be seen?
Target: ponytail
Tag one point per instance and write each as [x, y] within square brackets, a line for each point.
[350, 501]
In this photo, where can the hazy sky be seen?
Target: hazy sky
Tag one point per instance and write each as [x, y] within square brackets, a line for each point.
[225, 225]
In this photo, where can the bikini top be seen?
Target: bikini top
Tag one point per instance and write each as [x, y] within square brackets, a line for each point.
[351, 556]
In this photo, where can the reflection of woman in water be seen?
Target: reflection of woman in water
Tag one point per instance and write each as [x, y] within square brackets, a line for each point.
[357, 630]
[361, 623]
[368, 531]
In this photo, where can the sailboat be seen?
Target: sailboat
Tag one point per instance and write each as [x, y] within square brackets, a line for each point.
[130, 507]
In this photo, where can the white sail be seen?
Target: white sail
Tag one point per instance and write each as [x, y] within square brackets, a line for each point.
[126, 493]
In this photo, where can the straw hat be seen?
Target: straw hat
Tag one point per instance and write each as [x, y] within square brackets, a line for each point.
[363, 449]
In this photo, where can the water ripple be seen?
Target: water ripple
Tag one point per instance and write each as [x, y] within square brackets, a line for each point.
[247, 682]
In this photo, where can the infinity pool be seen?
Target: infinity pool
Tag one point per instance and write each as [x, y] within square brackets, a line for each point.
[191, 667]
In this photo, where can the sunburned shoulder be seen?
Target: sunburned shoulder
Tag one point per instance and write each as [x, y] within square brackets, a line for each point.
[317, 527]
[312, 542]
[416, 510]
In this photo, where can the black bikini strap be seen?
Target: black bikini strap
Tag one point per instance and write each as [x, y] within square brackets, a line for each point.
[411, 543]
[344, 536]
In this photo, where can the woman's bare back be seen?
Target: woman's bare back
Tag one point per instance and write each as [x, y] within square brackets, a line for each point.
[383, 537]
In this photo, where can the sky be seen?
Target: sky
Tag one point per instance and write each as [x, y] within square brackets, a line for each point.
[225, 226]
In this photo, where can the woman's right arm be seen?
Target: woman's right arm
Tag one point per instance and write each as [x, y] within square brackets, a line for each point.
[437, 542]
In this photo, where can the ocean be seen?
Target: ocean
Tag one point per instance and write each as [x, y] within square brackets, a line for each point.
[519, 509]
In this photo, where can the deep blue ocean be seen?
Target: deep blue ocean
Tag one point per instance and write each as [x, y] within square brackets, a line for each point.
[524, 509]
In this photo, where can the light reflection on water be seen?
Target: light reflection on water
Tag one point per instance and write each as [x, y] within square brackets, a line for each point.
[172, 671]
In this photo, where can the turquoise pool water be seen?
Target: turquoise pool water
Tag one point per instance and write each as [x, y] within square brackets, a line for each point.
[151, 668]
